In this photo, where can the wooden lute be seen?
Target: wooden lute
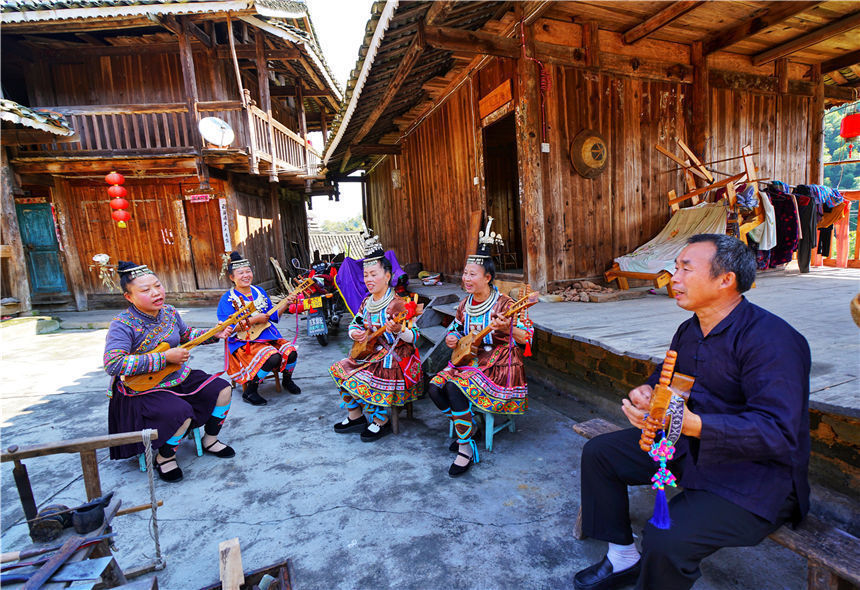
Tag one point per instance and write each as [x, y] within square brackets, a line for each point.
[364, 349]
[147, 381]
[467, 346]
[255, 330]
[670, 382]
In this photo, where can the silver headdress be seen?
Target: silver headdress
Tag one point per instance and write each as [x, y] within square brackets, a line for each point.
[486, 239]
[373, 250]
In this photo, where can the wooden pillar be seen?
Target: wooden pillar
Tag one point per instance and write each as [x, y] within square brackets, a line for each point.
[591, 43]
[701, 99]
[277, 222]
[92, 481]
[531, 163]
[60, 198]
[816, 127]
[303, 123]
[10, 237]
[266, 99]
[189, 82]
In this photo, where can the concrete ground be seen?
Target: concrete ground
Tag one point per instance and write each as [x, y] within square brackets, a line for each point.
[349, 514]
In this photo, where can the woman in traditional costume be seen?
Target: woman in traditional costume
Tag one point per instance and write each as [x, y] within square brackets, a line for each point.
[391, 376]
[184, 398]
[495, 380]
[250, 361]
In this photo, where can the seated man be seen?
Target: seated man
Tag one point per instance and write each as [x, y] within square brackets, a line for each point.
[743, 453]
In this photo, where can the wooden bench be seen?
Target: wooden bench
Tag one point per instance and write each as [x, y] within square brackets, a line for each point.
[833, 556]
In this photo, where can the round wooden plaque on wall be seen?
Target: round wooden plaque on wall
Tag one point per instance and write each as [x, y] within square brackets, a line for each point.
[589, 153]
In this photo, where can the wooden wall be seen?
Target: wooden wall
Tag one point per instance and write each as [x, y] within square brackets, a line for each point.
[426, 220]
[587, 222]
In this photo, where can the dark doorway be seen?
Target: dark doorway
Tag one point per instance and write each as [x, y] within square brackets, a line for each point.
[503, 202]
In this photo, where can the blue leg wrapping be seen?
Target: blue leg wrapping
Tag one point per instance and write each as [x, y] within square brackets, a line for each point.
[288, 368]
[261, 374]
[220, 412]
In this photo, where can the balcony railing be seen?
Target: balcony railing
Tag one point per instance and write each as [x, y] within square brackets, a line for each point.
[134, 129]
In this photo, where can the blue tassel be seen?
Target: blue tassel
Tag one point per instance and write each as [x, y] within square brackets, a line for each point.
[661, 518]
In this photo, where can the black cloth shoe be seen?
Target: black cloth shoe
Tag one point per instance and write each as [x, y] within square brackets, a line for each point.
[251, 396]
[170, 476]
[348, 425]
[224, 453]
[290, 385]
[374, 431]
[457, 470]
[599, 576]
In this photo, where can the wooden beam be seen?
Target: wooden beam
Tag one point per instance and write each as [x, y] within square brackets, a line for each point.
[416, 48]
[346, 158]
[770, 85]
[659, 20]
[843, 61]
[262, 66]
[782, 75]
[838, 27]
[701, 124]
[375, 149]
[767, 18]
[246, 52]
[303, 122]
[816, 127]
[199, 34]
[291, 91]
[19, 285]
[591, 43]
[475, 42]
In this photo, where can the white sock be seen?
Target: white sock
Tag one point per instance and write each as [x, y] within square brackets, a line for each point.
[622, 556]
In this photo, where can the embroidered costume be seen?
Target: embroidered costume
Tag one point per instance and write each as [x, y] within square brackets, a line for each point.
[379, 381]
[495, 380]
[246, 358]
[186, 393]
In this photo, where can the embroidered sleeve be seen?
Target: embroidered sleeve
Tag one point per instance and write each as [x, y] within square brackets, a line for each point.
[357, 322]
[118, 359]
[456, 326]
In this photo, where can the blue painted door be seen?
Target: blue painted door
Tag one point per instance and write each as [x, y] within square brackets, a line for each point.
[40, 248]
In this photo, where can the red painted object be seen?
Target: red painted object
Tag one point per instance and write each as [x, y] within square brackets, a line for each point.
[850, 126]
[118, 203]
[115, 178]
[116, 191]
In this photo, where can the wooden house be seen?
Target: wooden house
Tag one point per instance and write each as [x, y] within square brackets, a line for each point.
[457, 106]
[134, 79]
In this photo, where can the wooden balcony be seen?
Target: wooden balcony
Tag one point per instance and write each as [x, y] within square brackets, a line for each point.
[263, 145]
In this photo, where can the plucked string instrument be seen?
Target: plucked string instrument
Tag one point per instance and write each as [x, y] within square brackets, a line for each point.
[147, 381]
[254, 331]
[467, 346]
[365, 348]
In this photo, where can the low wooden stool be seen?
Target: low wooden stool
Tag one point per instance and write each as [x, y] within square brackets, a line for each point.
[273, 374]
[394, 411]
[192, 431]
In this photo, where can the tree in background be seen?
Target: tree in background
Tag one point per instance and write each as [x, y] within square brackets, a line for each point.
[352, 224]
[844, 176]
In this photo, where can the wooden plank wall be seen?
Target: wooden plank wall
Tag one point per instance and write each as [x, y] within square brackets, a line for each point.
[438, 164]
[591, 221]
[256, 232]
[295, 223]
[588, 222]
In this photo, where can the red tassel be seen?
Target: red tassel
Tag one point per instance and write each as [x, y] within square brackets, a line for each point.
[528, 351]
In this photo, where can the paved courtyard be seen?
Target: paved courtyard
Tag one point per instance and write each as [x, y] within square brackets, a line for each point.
[349, 514]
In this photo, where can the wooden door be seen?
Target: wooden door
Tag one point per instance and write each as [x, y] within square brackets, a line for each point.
[207, 243]
[39, 238]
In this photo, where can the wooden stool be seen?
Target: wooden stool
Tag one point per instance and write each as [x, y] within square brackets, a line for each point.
[490, 428]
[192, 431]
[393, 412]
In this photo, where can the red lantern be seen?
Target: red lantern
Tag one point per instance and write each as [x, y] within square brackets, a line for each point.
[118, 203]
[117, 191]
[120, 215]
[850, 126]
[115, 178]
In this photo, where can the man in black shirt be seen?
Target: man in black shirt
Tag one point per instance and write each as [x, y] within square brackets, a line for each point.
[743, 454]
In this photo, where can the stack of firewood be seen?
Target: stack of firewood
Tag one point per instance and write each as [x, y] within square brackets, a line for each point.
[580, 291]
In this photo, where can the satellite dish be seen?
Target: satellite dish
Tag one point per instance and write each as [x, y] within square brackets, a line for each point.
[216, 131]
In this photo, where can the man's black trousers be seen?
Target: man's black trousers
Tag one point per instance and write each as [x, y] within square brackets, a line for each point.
[702, 522]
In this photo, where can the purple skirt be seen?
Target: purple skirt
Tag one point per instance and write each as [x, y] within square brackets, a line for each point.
[162, 410]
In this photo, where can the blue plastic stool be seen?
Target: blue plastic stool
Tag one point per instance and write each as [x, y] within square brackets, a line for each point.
[490, 428]
[194, 430]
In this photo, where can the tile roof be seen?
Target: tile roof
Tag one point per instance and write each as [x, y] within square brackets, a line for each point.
[37, 119]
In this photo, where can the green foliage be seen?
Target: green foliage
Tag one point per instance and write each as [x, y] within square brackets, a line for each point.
[845, 176]
[351, 224]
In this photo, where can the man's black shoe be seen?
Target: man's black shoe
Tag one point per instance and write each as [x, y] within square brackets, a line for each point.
[348, 425]
[599, 576]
